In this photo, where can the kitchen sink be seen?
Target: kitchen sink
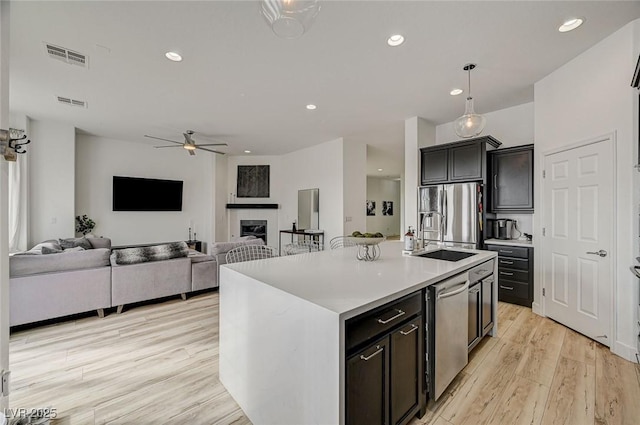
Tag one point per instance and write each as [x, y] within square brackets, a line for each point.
[447, 255]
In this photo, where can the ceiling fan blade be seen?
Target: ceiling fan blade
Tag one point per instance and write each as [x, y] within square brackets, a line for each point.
[212, 144]
[192, 153]
[172, 146]
[160, 138]
[209, 150]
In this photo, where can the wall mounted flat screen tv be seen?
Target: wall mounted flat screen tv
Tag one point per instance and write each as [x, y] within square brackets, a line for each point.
[138, 194]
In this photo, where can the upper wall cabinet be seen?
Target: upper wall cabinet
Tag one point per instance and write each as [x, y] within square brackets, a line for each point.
[455, 162]
[511, 182]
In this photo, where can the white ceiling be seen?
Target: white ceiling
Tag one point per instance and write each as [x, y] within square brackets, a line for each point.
[241, 83]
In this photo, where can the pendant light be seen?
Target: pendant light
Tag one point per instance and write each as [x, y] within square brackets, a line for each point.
[470, 124]
[290, 18]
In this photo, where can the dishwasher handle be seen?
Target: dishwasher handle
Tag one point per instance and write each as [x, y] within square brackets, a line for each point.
[462, 287]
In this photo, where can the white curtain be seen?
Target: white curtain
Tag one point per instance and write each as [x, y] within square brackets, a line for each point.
[17, 204]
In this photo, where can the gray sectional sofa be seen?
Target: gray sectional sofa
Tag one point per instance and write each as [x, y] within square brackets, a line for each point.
[47, 286]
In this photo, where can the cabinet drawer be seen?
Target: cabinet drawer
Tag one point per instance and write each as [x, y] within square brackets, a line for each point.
[513, 275]
[509, 251]
[512, 289]
[373, 323]
[513, 263]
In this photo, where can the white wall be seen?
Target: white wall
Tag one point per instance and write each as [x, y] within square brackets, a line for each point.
[588, 97]
[418, 133]
[354, 186]
[51, 181]
[221, 194]
[99, 159]
[512, 126]
[273, 217]
[378, 190]
[321, 167]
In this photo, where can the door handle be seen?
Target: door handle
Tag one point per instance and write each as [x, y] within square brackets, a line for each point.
[495, 181]
[601, 253]
[369, 357]
[413, 328]
[384, 322]
[464, 287]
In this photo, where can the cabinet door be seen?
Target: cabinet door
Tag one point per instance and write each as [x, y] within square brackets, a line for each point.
[512, 180]
[474, 314]
[433, 166]
[367, 382]
[487, 305]
[465, 162]
[406, 344]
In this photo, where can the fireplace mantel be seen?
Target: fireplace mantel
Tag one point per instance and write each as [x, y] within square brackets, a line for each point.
[252, 206]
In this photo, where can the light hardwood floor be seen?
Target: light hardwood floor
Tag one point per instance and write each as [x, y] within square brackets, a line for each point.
[158, 364]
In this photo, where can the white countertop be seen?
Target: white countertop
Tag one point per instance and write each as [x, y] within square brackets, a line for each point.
[509, 242]
[337, 281]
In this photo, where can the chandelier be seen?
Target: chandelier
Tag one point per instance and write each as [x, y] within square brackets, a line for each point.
[470, 124]
[290, 18]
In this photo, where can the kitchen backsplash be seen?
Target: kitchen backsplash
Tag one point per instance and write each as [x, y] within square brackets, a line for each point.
[524, 222]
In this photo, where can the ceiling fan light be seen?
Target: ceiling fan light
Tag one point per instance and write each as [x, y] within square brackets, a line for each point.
[290, 18]
[189, 147]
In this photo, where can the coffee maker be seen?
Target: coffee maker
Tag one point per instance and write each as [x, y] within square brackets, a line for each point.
[503, 228]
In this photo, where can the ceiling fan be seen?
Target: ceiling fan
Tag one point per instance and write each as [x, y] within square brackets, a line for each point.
[188, 144]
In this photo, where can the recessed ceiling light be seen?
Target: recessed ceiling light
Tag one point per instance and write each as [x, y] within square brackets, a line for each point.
[173, 56]
[395, 40]
[570, 24]
[379, 169]
[311, 107]
[455, 92]
[247, 151]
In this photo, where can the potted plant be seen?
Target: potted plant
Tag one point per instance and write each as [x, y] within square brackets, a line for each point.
[84, 225]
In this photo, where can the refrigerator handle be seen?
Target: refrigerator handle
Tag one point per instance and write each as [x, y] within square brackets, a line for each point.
[444, 214]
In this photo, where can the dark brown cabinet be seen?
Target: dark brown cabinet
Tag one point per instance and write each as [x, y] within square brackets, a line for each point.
[466, 162]
[435, 166]
[463, 161]
[511, 180]
[515, 274]
[367, 382]
[385, 364]
[480, 310]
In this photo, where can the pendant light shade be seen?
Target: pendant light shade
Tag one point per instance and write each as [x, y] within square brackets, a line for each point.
[290, 18]
[470, 124]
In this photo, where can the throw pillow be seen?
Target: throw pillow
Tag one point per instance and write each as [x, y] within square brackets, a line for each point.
[37, 250]
[74, 242]
[74, 249]
[47, 250]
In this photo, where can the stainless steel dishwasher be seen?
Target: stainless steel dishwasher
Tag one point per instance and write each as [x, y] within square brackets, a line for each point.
[448, 311]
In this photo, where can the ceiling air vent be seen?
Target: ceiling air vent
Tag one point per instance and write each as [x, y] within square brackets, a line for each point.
[66, 55]
[72, 102]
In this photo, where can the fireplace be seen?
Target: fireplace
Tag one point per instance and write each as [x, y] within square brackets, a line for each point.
[257, 228]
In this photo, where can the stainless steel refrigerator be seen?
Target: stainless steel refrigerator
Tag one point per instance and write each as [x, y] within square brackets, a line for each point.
[450, 213]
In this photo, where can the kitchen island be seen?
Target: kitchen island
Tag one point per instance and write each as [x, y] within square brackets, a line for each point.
[283, 325]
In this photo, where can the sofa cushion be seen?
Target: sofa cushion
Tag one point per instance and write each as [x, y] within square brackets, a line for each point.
[224, 247]
[37, 250]
[74, 242]
[25, 265]
[47, 250]
[146, 254]
[199, 257]
[100, 242]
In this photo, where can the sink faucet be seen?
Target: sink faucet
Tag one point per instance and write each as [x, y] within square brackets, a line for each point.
[432, 214]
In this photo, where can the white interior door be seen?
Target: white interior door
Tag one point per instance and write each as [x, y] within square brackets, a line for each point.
[577, 242]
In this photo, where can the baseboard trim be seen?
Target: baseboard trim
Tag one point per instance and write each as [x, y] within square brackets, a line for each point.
[625, 351]
[537, 309]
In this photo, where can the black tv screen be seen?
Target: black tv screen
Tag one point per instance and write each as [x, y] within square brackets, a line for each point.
[138, 194]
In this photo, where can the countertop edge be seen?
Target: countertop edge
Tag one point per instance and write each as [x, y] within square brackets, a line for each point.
[509, 242]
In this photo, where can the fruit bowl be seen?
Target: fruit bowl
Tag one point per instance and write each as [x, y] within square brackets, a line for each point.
[365, 241]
